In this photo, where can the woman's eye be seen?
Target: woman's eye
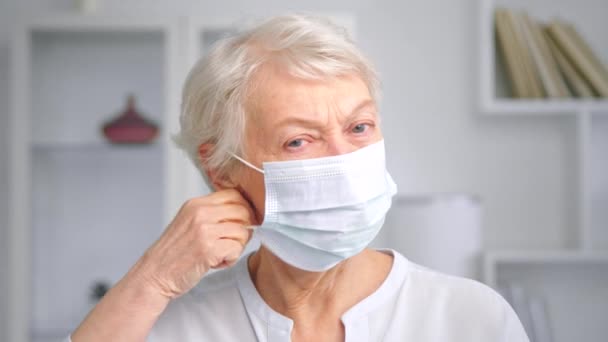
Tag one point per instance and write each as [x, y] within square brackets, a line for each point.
[360, 128]
[295, 143]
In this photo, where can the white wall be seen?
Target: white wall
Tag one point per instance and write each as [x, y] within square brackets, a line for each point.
[522, 168]
[5, 9]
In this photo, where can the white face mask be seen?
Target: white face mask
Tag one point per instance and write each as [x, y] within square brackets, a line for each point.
[324, 210]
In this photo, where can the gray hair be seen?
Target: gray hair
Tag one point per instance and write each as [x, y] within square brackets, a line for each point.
[214, 94]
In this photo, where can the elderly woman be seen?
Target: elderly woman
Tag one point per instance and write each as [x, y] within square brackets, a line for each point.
[282, 120]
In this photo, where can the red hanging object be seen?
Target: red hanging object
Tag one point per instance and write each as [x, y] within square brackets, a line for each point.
[130, 127]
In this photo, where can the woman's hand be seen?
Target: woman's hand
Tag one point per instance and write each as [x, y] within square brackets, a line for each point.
[207, 232]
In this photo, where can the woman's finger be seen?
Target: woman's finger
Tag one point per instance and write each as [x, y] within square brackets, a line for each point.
[224, 213]
[231, 230]
[226, 252]
[226, 196]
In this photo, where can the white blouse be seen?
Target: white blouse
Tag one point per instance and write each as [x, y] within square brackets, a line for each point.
[412, 304]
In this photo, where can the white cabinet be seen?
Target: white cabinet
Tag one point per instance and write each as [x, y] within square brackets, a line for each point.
[81, 209]
[572, 286]
[572, 280]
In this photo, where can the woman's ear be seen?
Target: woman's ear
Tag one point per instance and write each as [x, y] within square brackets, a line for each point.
[219, 182]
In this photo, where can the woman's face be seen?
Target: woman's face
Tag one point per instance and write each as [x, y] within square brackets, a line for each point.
[290, 118]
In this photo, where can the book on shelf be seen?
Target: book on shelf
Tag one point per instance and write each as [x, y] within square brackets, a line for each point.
[576, 83]
[547, 60]
[586, 49]
[509, 50]
[526, 46]
[581, 62]
[520, 66]
[546, 66]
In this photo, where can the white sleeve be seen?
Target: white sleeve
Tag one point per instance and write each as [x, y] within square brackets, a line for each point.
[68, 339]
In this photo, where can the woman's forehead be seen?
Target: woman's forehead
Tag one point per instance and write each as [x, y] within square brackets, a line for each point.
[283, 97]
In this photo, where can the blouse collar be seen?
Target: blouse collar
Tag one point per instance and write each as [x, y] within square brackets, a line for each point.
[279, 326]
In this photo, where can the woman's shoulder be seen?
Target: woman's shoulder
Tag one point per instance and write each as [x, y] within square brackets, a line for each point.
[435, 286]
[461, 306]
[433, 282]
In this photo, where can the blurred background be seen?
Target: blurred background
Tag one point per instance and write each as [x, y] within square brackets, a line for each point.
[495, 116]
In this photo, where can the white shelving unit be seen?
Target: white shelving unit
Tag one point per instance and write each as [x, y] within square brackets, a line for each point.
[83, 210]
[574, 282]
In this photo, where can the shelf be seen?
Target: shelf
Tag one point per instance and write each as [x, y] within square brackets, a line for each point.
[493, 82]
[83, 209]
[545, 257]
[492, 259]
[572, 286]
[94, 211]
[546, 107]
[80, 80]
[587, 137]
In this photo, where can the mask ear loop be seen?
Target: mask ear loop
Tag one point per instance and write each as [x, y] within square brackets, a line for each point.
[247, 163]
[251, 227]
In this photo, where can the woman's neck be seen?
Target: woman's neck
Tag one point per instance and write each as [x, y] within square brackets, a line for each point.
[317, 296]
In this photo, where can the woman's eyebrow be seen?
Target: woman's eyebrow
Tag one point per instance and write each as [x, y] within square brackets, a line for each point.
[297, 121]
[358, 108]
[362, 105]
[313, 122]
